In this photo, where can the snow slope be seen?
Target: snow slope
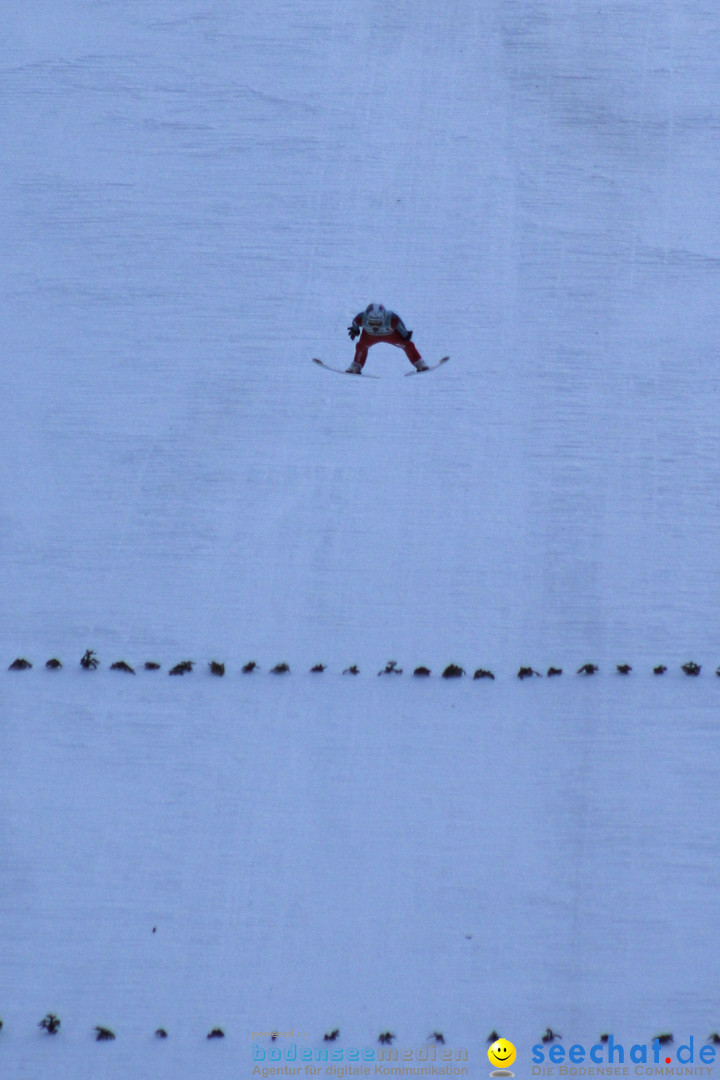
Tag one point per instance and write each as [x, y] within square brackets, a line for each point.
[195, 199]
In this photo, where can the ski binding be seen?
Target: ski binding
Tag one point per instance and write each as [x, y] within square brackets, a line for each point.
[430, 367]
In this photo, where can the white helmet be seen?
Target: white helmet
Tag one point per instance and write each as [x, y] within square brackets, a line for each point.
[375, 314]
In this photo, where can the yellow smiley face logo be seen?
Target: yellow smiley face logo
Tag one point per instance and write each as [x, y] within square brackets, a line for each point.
[502, 1053]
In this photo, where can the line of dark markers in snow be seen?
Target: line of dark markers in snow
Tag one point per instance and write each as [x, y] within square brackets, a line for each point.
[90, 662]
[51, 1024]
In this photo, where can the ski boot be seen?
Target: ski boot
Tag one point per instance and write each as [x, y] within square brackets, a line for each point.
[355, 368]
[420, 365]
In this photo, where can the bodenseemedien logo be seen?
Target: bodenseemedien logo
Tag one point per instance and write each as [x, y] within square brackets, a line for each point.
[502, 1054]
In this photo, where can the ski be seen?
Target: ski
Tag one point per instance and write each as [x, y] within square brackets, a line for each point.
[366, 375]
[430, 367]
[341, 371]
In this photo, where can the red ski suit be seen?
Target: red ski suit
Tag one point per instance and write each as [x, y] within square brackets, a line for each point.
[393, 333]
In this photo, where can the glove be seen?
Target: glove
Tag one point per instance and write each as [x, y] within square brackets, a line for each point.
[353, 332]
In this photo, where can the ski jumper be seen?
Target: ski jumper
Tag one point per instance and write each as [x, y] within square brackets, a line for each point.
[391, 331]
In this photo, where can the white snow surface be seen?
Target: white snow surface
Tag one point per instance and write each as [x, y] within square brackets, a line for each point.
[196, 198]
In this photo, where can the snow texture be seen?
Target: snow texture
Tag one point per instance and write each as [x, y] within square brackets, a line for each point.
[195, 199]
